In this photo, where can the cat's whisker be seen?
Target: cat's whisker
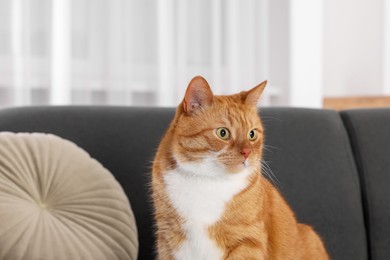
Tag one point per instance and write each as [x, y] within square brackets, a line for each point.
[270, 147]
[267, 171]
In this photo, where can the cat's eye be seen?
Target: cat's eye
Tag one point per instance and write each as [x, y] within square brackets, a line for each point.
[223, 133]
[252, 136]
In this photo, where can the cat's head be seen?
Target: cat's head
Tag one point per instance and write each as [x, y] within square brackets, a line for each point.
[218, 135]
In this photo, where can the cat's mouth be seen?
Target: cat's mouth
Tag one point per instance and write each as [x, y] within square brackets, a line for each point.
[245, 163]
[237, 168]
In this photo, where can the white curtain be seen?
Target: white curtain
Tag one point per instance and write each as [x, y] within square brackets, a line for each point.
[128, 52]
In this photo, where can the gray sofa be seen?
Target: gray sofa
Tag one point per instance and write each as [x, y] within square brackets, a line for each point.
[333, 168]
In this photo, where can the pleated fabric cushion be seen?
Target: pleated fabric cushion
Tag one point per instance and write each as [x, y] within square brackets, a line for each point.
[56, 202]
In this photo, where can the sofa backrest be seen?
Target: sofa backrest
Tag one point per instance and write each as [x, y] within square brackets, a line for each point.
[307, 150]
[122, 139]
[369, 132]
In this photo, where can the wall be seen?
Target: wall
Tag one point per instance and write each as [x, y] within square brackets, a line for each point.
[353, 47]
[130, 52]
[279, 42]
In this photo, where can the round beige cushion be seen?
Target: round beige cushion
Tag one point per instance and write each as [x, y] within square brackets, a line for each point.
[56, 202]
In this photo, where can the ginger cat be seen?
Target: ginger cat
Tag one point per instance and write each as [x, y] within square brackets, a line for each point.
[211, 200]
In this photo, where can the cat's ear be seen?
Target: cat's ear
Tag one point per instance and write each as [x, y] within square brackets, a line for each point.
[198, 95]
[252, 96]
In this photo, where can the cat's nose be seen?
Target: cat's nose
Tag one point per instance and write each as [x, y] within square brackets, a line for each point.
[245, 152]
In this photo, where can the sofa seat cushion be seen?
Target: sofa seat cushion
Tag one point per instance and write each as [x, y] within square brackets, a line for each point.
[56, 202]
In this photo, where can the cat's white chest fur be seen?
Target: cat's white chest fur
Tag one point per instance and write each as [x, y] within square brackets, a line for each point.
[200, 200]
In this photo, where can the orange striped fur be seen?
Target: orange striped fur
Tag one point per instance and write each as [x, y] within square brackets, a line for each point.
[211, 200]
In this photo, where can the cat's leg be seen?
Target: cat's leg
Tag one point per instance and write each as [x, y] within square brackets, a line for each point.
[246, 252]
[163, 250]
[312, 245]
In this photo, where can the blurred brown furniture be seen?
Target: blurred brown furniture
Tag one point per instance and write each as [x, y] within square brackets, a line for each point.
[356, 102]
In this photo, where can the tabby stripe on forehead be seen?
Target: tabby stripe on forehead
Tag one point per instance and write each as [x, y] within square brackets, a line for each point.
[243, 119]
[230, 118]
[236, 119]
